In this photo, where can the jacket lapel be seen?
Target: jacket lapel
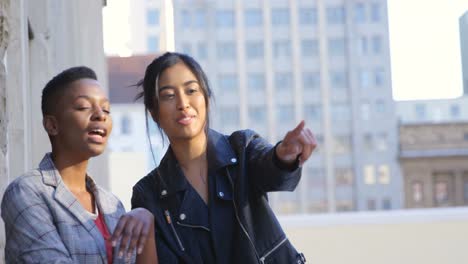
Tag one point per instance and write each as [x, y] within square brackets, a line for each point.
[64, 197]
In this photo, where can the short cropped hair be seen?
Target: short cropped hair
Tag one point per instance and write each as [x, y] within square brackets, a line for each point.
[55, 87]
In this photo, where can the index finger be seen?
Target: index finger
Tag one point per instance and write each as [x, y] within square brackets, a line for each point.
[297, 130]
[118, 230]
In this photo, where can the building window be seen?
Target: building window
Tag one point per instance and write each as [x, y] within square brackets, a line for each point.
[125, 125]
[257, 114]
[381, 143]
[226, 50]
[375, 12]
[310, 80]
[225, 18]
[387, 204]
[336, 15]
[312, 113]
[371, 205]
[338, 79]
[309, 48]
[199, 18]
[369, 174]
[185, 14]
[364, 78]
[280, 17]
[420, 110]
[230, 116]
[283, 83]
[336, 47]
[153, 44]
[359, 13]
[441, 193]
[284, 119]
[340, 112]
[379, 77]
[368, 142]
[384, 174]
[254, 49]
[227, 84]
[308, 16]
[465, 136]
[256, 81]
[202, 51]
[365, 111]
[455, 111]
[253, 17]
[377, 45]
[417, 191]
[343, 177]
[363, 45]
[380, 106]
[342, 144]
[186, 48]
[152, 17]
[281, 48]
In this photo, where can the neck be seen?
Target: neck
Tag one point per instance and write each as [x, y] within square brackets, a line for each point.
[189, 151]
[72, 169]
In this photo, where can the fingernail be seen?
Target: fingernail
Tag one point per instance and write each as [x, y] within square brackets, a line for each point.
[140, 250]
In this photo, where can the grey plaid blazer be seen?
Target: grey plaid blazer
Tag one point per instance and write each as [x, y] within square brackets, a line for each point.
[44, 222]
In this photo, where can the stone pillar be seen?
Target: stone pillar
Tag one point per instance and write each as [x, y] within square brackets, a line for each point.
[4, 37]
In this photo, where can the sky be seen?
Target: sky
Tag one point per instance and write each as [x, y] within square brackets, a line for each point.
[424, 45]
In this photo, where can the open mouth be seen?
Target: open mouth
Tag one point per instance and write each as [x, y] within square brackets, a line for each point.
[186, 120]
[97, 135]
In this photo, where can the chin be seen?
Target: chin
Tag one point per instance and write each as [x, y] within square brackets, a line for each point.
[96, 151]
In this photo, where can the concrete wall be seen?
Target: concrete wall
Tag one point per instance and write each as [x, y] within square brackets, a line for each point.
[432, 236]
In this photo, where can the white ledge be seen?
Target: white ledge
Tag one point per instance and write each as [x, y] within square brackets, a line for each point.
[376, 217]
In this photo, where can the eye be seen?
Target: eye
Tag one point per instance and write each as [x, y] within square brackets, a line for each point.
[82, 108]
[166, 96]
[192, 90]
[107, 111]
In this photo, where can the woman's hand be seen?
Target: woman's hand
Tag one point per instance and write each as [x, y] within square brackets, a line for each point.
[297, 144]
[133, 229]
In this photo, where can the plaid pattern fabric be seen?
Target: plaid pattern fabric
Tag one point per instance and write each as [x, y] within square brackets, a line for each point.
[45, 223]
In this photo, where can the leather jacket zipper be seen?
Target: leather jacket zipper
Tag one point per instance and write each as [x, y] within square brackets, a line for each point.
[262, 259]
[238, 218]
[193, 226]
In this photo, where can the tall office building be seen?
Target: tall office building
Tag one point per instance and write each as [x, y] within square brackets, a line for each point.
[463, 22]
[274, 63]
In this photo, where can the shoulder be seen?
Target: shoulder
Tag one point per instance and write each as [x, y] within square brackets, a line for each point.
[23, 192]
[147, 182]
[30, 182]
[244, 138]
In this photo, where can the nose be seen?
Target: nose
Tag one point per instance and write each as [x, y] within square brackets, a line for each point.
[182, 102]
[99, 114]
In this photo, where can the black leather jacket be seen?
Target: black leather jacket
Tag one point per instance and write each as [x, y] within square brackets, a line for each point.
[253, 170]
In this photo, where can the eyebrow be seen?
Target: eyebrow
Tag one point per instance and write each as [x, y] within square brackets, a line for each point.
[165, 87]
[87, 97]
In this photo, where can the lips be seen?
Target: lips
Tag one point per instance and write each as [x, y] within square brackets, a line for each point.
[97, 135]
[186, 120]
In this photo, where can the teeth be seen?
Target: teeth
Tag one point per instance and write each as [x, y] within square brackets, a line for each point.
[98, 131]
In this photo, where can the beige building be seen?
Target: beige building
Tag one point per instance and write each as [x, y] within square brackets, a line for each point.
[434, 164]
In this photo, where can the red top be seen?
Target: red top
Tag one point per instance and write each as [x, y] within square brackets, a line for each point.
[101, 225]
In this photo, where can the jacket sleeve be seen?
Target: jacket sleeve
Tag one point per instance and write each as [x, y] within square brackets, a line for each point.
[31, 236]
[267, 171]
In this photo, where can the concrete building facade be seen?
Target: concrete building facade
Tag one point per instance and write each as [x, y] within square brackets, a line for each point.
[433, 111]
[433, 161]
[274, 63]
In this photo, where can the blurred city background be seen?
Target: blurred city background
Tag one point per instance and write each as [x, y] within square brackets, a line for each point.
[382, 84]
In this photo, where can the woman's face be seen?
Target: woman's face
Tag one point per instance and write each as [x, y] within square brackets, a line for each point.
[82, 123]
[182, 108]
